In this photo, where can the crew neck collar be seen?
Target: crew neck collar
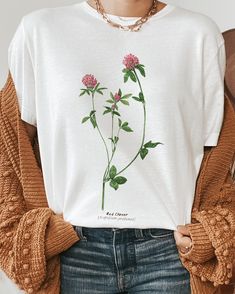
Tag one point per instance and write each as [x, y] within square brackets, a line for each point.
[124, 20]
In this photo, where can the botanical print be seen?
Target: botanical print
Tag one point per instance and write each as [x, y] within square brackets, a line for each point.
[131, 72]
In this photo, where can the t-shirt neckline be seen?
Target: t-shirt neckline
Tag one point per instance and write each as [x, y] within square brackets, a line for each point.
[125, 20]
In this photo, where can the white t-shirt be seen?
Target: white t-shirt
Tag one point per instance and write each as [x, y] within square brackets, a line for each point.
[112, 156]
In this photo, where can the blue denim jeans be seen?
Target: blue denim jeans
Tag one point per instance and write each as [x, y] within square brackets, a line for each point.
[114, 260]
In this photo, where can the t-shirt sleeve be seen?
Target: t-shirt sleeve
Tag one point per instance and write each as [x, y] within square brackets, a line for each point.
[22, 71]
[214, 95]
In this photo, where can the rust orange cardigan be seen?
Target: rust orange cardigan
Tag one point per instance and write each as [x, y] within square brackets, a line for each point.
[32, 236]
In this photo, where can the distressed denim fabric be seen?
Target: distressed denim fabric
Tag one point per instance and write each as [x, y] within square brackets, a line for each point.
[127, 260]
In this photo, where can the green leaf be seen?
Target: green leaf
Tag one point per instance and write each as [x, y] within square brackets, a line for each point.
[125, 123]
[141, 70]
[114, 184]
[117, 113]
[126, 96]
[127, 129]
[119, 122]
[111, 95]
[119, 92]
[85, 119]
[98, 91]
[109, 101]
[92, 112]
[141, 96]
[96, 86]
[116, 139]
[126, 76]
[88, 92]
[120, 180]
[136, 98]
[107, 111]
[112, 171]
[107, 107]
[143, 152]
[125, 102]
[150, 144]
[82, 93]
[93, 121]
[132, 76]
[102, 88]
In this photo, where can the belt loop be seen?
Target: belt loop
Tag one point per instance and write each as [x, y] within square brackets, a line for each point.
[139, 233]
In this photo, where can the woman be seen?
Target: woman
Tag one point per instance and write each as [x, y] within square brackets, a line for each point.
[145, 83]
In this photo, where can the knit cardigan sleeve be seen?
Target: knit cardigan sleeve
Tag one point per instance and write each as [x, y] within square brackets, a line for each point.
[212, 229]
[31, 234]
[212, 253]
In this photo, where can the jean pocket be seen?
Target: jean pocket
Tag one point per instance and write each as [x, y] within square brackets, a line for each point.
[74, 247]
[160, 233]
[79, 231]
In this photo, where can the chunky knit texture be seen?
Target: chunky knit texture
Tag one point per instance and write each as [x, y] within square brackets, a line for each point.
[32, 235]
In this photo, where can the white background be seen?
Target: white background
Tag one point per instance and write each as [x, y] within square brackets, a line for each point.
[12, 11]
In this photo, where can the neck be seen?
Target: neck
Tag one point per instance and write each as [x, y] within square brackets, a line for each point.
[136, 8]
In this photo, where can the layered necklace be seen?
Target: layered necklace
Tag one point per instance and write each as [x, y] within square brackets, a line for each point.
[134, 27]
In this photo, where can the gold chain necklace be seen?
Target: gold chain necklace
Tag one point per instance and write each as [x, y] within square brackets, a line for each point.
[134, 27]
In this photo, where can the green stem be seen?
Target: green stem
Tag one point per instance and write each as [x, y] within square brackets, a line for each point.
[115, 147]
[93, 105]
[143, 136]
[107, 152]
[112, 144]
[143, 108]
[107, 170]
[103, 189]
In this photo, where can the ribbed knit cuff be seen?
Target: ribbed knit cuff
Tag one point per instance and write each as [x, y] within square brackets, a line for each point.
[202, 249]
[60, 235]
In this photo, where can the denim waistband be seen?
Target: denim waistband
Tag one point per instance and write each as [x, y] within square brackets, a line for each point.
[123, 234]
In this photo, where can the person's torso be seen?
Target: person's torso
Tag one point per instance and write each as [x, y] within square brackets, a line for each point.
[86, 166]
